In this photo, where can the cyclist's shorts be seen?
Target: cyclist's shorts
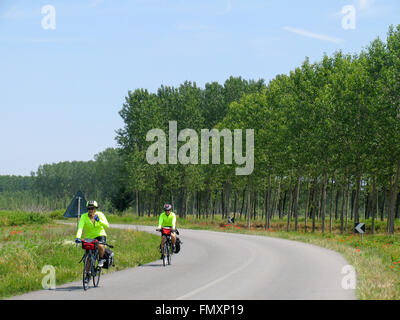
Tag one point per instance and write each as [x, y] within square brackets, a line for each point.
[101, 239]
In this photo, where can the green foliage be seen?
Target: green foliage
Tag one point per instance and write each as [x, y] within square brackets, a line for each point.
[17, 218]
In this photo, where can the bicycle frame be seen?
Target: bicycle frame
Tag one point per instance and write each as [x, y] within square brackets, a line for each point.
[91, 270]
[167, 249]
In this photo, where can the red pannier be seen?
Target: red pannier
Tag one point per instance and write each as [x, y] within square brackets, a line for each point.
[89, 245]
[166, 232]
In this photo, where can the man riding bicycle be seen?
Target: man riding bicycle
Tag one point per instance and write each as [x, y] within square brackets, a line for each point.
[167, 219]
[94, 223]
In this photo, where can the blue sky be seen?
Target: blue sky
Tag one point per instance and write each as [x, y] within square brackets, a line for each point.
[61, 89]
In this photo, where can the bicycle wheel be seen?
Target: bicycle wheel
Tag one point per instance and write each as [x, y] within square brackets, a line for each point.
[96, 272]
[86, 271]
[165, 254]
[169, 252]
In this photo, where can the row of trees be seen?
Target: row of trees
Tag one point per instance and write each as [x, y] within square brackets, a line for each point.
[326, 146]
[328, 129]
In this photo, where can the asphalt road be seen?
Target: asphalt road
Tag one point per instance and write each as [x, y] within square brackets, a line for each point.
[222, 266]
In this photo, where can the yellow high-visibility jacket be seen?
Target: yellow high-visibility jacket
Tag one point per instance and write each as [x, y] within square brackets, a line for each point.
[167, 221]
[92, 230]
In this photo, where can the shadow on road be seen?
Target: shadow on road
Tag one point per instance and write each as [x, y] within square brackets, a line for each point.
[152, 265]
[72, 288]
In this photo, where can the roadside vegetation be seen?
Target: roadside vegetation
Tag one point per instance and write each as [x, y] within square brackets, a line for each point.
[30, 241]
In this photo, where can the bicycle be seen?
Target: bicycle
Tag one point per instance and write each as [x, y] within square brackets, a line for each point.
[90, 262]
[167, 251]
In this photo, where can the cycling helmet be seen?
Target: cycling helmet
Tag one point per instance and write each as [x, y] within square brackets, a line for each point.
[92, 204]
[167, 207]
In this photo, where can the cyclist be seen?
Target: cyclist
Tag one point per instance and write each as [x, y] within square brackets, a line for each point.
[167, 219]
[94, 223]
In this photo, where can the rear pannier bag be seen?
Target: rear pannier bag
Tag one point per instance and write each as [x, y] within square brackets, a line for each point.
[178, 245]
[109, 257]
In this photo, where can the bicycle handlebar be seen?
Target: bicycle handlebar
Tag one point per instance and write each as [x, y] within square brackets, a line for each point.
[105, 244]
[173, 230]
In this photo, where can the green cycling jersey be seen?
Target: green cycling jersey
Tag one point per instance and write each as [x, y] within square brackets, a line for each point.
[92, 230]
[167, 221]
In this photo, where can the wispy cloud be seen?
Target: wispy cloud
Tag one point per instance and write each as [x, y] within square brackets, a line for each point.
[14, 12]
[364, 4]
[367, 9]
[312, 35]
[227, 8]
[38, 40]
[65, 40]
[95, 3]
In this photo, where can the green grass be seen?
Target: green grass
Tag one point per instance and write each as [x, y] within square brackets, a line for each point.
[26, 248]
[376, 259]
[15, 218]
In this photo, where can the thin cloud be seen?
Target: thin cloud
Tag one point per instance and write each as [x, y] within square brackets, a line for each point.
[365, 4]
[65, 40]
[14, 12]
[312, 35]
[94, 3]
[227, 8]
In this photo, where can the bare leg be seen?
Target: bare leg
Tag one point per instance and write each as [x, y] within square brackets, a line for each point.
[163, 240]
[101, 250]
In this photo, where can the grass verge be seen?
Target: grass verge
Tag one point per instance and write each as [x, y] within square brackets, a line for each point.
[26, 249]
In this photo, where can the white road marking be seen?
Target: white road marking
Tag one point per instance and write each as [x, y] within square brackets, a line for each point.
[210, 284]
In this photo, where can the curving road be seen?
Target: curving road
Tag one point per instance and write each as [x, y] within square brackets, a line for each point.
[222, 266]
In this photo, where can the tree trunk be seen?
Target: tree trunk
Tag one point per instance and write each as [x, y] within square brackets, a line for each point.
[223, 204]
[267, 203]
[296, 204]
[323, 207]
[337, 203]
[315, 199]
[282, 206]
[243, 198]
[366, 206]
[307, 206]
[389, 205]
[357, 201]
[248, 202]
[137, 202]
[349, 196]
[289, 211]
[374, 203]
[331, 205]
[353, 197]
[383, 204]
[397, 206]
[342, 210]
[393, 200]
[229, 193]
[206, 204]
[320, 197]
[276, 200]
